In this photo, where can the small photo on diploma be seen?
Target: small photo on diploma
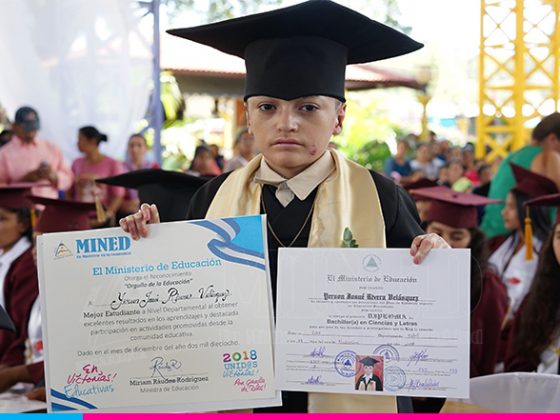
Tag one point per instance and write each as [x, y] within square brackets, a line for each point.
[369, 373]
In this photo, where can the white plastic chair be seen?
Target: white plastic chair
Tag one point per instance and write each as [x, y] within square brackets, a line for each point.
[518, 392]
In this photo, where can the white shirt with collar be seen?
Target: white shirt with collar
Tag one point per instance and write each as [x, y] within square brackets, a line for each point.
[299, 186]
[6, 260]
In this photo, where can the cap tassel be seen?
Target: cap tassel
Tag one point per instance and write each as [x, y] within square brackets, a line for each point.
[33, 217]
[528, 236]
[99, 210]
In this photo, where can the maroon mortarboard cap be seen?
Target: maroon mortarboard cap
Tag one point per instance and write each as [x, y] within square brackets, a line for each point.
[368, 361]
[421, 183]
[550, 200]
[412, 191]
[15, 196]
[531, 183]
[453, 208]
[63, 215]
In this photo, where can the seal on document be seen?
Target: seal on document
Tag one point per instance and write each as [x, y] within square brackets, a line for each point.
[394, 378]
[389, 353]
[345, 363]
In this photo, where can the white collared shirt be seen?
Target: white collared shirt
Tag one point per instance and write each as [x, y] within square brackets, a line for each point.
[299, 186]
[6, 260]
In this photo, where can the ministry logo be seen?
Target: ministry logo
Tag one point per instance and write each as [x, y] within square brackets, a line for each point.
[62, 251]
[371, 263]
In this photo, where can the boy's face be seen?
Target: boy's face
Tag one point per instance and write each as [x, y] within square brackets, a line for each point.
[293, 134]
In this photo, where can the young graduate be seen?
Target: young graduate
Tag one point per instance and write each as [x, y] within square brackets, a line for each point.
[515, 260]
[453, 216]
[294, 100]
[57, 216]
[534, 339]
[368, 381]
[18, 281]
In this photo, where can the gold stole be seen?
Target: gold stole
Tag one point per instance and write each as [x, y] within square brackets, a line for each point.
[347, 198]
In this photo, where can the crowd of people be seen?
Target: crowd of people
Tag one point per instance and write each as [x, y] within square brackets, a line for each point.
[301, 183]
[514, 256]
[509, 329]
[28, 158]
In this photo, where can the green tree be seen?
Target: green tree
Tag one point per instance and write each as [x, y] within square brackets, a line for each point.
[367, 129]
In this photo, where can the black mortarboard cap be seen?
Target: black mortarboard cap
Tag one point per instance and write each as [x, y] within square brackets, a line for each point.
[5, 321]
[170, 191]
[301, 50]
[368, 361]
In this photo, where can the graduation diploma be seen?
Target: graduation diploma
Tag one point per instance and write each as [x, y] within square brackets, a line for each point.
[369, 321]
[179, 321]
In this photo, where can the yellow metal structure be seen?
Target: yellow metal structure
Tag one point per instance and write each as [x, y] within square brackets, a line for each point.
[518, 71]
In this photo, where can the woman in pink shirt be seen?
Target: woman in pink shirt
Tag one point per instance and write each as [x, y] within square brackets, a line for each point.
[136, 151]
[91, 166]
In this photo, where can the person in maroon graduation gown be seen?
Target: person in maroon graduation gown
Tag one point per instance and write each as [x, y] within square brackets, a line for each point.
[18, 280]
[57, 216]
[534, 339]
[453, 216]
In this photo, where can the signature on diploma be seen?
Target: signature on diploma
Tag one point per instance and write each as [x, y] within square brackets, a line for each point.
[174, 296]
[141, 302]
[159, 366]
[314, 380]
[418, 356]
[318, 352]
[426, 383]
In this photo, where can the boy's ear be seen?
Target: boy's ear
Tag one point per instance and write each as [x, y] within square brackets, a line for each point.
[340, 116]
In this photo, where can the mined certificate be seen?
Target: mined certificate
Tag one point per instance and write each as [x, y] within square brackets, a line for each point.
[179, 321]
[369, 321]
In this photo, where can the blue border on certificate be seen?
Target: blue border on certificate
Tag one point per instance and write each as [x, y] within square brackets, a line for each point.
[239, 240]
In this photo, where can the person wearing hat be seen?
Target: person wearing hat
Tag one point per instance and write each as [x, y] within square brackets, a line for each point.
[368, 381]
[513, 259]
[294, 100]
[534, 339]
[27, 158]
[541, 156]
[170, 191]
[453, 216]
[18, 281]
[57, 216]
[513, 256]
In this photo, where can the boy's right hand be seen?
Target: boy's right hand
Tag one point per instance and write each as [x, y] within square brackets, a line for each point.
[137, 224]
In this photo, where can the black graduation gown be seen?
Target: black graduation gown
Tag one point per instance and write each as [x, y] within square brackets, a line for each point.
[373, 384]
[402, 224]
